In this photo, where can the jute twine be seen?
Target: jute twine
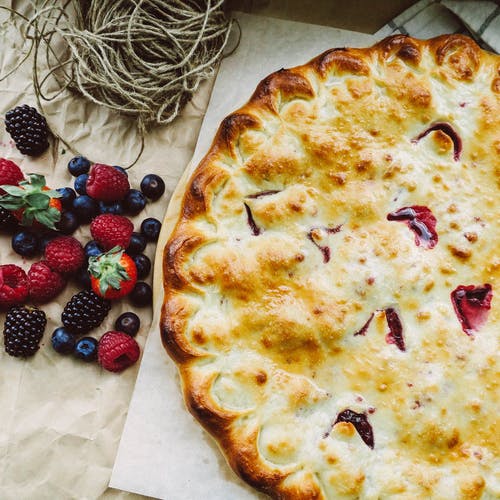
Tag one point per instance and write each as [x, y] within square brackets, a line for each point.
[141, 58]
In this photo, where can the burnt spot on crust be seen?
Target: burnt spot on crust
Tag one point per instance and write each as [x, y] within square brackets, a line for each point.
[341, 60]
[173, 258]
[246, 461]
[199, 402]
[284, 84]
[460, 53]
[495, 85]
[174, 316]
[204, 181]
[401, 46]
[231, 128]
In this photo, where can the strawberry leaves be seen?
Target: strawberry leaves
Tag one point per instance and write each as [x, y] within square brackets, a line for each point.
[33, 201]
[113, 274]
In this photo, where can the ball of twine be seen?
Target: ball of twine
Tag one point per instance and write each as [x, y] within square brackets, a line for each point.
[142, 58]
[145, 58]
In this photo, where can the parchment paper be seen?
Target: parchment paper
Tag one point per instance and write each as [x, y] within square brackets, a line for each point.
[163, 452]
[61, 419]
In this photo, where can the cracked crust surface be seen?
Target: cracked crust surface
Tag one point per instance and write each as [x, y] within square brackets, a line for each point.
[283, 277]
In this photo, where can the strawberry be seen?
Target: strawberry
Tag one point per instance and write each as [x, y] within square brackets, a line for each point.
[33, 202]
[13, 286]
[64, 254]
[112, 274]
[106, 183]
[111, 230]
[117, 351]
[44, 283]
[10, 174]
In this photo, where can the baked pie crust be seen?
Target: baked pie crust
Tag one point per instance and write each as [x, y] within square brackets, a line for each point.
[330, 282]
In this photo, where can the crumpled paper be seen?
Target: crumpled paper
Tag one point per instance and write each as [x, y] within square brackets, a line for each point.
[60, 418]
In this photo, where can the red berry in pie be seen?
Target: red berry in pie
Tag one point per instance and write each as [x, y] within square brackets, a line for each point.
[395, 335]
[449, 131]
[360, 423]
[364, 328]
[251, 221]
[472, 305]
[421, 221]
[317, 234]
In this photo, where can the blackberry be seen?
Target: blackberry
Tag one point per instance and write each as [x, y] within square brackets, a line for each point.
[84, 311]
[23, 330]
[8, 222]
[29, 130]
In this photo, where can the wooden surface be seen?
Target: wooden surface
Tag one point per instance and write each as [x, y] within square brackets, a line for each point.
[358, 15]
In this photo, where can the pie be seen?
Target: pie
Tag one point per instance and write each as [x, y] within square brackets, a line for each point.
[330, 281]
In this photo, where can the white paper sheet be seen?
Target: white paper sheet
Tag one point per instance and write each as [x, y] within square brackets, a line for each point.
[163, 452]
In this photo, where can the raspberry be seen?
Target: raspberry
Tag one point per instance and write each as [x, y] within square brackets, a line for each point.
[117, 351]
[10, 174]
[64, 254]
[111, 230]
[106, 183]
[13, 286]
[29, 130]
[23, 330]
[44, 283]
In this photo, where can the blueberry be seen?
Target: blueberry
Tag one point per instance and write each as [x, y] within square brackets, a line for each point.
[137, 244]
[129, 323]
[85, 208]
[92, 249]
[67, 196]
[81, 184]
[134, 202]
[114, 207]
[150, 228]
[143, 265]
[78, 165]
[141, 295]
[25, 243]
[86, 349]
[82, 277]
[120, 169]
[152, 186]
[63, 341]
[68, 223]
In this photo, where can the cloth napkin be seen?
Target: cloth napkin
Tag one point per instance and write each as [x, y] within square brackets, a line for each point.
[427, 18]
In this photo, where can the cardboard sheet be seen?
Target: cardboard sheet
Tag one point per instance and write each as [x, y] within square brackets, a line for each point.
[163, 452]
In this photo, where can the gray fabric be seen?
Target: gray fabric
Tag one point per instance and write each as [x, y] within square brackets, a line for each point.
[428, 18]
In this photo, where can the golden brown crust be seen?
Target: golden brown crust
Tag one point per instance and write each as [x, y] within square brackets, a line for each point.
[276, 142]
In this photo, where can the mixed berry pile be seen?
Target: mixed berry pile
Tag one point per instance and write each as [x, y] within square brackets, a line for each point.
[109, 265]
